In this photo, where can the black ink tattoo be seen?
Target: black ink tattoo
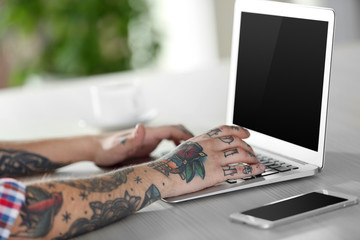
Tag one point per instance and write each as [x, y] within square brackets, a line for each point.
[38, 212]
[83, 196]
[229, 171]
[51, 185]
[151, 195]
[123, 140]
[66, 217]
[250, 154]
[247, 170]
[187, 161]
[227, 139]
[230, 152]
[138, 179]
[110, 211]
[235, 128]
[100, 184]
[214, 132]
[20, 163]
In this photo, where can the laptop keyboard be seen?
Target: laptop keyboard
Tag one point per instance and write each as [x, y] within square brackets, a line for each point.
[273, 166]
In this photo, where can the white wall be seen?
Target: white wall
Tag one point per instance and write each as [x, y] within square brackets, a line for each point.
[346, 30]
[189, 33]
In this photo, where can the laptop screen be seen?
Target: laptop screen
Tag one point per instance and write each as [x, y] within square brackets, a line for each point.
[279, 79]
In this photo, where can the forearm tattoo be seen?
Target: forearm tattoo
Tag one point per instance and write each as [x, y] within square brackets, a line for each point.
[110, 211]
[42, 207]
[101, 184]
[38, 212]
[20, 163]
[187, 162]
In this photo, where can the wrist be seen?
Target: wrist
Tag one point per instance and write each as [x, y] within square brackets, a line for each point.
[88, 147]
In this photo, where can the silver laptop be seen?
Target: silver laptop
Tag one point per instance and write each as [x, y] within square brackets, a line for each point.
[278, 89]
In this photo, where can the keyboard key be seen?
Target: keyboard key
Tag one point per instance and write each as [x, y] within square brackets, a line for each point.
[269, 172]
[231, 181]
[275, 165]
[263, 161]
[283, 169]
[269, 163]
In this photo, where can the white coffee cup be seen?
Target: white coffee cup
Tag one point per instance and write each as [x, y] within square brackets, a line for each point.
[116, 103]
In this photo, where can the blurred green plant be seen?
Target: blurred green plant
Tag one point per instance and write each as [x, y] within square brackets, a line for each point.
[70, 38]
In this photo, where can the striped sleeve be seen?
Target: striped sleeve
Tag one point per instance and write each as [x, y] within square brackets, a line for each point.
[12, 196]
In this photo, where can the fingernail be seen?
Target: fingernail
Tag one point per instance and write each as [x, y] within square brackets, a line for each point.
[137, 130]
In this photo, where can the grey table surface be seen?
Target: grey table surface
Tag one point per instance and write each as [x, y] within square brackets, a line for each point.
[207, 218]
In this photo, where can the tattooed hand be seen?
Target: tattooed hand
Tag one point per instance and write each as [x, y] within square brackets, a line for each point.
[208, 159]
[113, 148]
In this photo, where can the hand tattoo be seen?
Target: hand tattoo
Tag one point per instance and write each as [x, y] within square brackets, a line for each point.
[250, 154]
[227, 139]
[235, 128]
[187, 161]
[123, 140]
[230, 152]
[247, 170]
[214, 132]
[229, 171]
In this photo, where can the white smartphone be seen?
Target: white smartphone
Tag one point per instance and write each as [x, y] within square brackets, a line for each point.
[294, 208]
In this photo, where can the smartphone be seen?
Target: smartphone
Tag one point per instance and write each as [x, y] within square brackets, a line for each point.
[294, 208]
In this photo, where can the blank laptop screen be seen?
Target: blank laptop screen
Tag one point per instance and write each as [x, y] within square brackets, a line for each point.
[279, 80]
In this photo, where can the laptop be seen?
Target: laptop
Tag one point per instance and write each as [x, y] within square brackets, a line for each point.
[278, 89]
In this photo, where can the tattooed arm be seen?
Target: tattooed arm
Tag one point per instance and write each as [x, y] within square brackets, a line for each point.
[67, 208]
[23, 158]
[64, 209]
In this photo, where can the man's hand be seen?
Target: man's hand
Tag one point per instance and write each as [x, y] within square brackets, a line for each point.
[208, 159]
[114, 148]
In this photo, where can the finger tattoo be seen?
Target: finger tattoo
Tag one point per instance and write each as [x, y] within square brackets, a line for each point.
[229, 171]
[230, 152]
[235, 128]
[214, 132]
[227, 139]
[250, 154]
[247, 170]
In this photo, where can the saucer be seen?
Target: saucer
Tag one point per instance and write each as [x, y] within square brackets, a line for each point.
[107, 126]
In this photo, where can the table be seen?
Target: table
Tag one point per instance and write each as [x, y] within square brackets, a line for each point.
[204, 91]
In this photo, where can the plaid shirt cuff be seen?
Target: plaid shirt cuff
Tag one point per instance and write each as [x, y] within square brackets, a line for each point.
[12, 196]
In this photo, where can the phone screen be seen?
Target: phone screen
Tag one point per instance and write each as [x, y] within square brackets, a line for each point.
[293, 206]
